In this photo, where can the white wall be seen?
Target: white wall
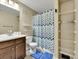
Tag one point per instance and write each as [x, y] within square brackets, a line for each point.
[26, 19]
[8, 21]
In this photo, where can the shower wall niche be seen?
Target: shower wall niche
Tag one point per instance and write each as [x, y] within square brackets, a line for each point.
[43, 29]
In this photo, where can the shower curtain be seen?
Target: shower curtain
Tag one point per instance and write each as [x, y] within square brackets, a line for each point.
[43, 29]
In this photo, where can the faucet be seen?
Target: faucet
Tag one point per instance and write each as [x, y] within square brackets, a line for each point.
[10, 32]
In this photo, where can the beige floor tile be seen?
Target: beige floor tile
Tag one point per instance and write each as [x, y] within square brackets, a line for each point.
[28, 57]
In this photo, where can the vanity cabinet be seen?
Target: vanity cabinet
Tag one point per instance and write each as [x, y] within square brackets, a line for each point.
[13, 49]
[20, 51]
[7, 53]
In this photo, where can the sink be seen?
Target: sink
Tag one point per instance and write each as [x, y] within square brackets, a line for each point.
[5, 37]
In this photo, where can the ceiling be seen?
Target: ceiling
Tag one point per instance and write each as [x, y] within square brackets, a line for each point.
[38, 5]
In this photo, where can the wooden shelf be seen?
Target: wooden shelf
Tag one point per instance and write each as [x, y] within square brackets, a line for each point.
[67, 12]
[75, 32]
[74, 21]
[66, 53]
[64, 1]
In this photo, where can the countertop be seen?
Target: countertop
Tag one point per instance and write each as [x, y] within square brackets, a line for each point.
[6, 37]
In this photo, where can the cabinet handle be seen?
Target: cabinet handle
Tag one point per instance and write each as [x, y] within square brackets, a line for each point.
[16, 47]
[12, 48]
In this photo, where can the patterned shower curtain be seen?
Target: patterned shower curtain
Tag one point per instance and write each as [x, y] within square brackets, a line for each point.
[43, 29]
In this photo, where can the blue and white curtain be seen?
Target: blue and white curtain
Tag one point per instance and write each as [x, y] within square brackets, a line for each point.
[43, 30]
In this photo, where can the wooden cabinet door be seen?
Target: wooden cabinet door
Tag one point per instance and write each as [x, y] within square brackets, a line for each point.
[20, 51]
[7, 53]
[13, 52]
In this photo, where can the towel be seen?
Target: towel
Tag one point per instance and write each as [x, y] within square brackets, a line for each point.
[46, 55]
[39, 55]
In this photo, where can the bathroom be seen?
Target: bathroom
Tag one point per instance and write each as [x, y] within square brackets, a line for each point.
[38, 25]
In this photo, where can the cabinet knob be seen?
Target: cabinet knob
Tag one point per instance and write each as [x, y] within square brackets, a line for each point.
[16, 47]
[12, 48]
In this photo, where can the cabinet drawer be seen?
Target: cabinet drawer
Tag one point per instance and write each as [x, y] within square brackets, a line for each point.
[20, 40]
[7, 44]
[3, 51]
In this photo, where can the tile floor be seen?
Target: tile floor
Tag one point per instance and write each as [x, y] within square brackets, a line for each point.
[28, 57]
